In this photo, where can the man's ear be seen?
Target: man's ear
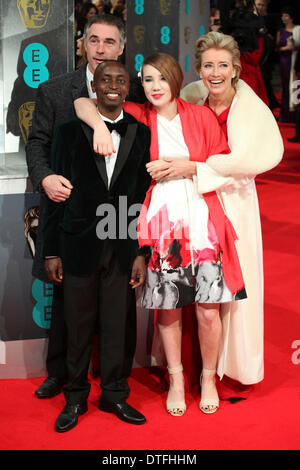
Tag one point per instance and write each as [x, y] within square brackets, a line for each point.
[93, 86]
[121, 50]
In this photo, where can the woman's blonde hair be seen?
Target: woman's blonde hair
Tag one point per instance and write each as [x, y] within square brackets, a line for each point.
[216, 40]
[169, 68]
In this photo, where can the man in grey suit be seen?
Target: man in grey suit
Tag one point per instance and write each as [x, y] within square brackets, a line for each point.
[104, 39]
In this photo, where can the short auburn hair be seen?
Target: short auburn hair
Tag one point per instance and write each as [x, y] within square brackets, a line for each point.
[169, 68]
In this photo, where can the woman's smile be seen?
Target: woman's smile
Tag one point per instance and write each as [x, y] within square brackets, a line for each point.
[157, 89]
[157, 96]
[217, 70]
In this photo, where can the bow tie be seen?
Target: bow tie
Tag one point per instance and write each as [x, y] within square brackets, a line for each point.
[120, 126]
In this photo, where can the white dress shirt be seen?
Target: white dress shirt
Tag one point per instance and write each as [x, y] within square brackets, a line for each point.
[89, 79]
[110, 160]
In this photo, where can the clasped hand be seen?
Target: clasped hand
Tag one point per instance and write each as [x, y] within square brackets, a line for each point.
[171, 168]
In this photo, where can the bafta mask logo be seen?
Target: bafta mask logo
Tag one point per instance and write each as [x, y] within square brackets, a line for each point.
[25, 118]
[34, 13]
[187, 34]
[165, 6]
[139, 33]
[31, 222]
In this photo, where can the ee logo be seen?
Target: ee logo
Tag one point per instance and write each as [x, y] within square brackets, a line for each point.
[139, 59]
[187, 7]
[35, 56]
[165, 35]
[42, 292]
[202, 30]
[187, 63]
[139, 7]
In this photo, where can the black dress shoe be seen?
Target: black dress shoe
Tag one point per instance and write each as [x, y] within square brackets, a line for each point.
[123, 411]
[50, 387]
[295, 139]
[68, 418]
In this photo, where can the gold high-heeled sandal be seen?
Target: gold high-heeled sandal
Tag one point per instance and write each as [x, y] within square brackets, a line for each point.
[208, 402]
[175, 408]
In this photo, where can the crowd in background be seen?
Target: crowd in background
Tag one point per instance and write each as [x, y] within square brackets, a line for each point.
[85, 9]
[269, 39]
[266, 31]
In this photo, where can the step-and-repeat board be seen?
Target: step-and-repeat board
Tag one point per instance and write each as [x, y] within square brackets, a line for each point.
[170, 26]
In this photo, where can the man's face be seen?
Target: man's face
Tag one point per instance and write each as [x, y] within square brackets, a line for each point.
[100, 6]
[111, 86]
[261, 7]
[34, 13]
[102, 42]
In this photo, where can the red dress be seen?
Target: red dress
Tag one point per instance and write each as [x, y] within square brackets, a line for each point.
[222, 119]
[251, 72]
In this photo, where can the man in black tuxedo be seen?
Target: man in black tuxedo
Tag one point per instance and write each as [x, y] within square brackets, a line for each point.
[104, 39]
[93, 247]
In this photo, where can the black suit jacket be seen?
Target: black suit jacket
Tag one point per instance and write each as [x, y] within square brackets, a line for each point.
[54, 106]
[69, 228]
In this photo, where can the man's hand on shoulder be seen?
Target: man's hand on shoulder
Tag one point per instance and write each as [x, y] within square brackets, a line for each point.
[57, 187]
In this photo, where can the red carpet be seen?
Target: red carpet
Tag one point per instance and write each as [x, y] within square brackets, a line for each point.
[267, 419]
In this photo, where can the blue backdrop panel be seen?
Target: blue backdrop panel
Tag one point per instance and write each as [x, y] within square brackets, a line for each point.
[23, 300]
[152, 26]
[37, 43]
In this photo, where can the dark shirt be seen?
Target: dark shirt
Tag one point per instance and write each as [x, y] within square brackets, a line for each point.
[297, 62]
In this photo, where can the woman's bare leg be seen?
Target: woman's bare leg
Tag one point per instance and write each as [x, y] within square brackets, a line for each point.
[170, 328]
[209, 332]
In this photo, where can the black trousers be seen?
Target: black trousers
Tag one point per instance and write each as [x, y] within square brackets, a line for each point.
[57, 335]
[103, 301]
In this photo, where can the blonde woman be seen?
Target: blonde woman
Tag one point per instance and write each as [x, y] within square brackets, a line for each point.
[256, 146]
